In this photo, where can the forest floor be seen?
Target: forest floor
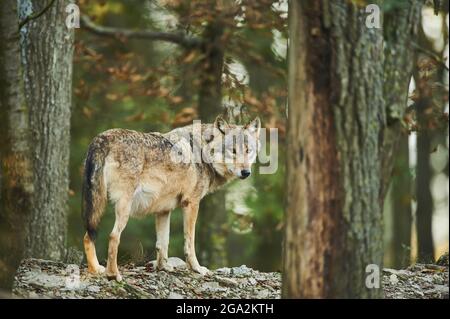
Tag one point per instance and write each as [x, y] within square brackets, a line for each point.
[38, 278]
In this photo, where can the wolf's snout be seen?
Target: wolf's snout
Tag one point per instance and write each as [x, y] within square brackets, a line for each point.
[245, 173]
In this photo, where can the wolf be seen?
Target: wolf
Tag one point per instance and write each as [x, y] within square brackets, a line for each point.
[153, 173]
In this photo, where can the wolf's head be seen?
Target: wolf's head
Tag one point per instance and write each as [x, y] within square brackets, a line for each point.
[234, 147]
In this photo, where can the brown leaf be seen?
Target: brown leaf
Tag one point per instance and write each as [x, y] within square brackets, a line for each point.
[135, 117]
[184, 117]
[190, 57]
[112, 96]
[176, 99]
[87, 112]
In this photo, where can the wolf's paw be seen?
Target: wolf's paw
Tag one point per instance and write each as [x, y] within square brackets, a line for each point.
[201, 270]
[96, 270]
[165, 266]
[111, 276]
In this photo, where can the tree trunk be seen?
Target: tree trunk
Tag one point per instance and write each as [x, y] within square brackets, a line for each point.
[430, 99]
[336, 115]
[47, 47]
[424, 212]
[427, 133]
[401, 206]
[400, 32]
[213, 217]
[16, 187]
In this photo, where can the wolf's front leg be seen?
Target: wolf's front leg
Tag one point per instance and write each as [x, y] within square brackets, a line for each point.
[189, 220]
[123, 207]
[162, 223]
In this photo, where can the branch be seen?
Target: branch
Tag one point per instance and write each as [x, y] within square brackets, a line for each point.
[35, 15]
[177, 38]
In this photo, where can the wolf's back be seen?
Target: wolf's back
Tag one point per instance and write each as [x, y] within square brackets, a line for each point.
[94, 194]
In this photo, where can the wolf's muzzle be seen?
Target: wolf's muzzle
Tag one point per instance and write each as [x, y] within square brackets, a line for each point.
[244, 174]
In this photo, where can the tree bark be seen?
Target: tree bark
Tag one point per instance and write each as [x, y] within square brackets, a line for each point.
[424, 212]
[401, 206]
[47, 47]
[400, 32]
[16, 187]
[430, 97]
[333, 227]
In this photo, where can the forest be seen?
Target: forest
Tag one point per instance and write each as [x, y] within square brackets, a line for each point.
[349, 194]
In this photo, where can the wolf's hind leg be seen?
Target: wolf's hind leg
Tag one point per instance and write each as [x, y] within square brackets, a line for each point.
[123, 207]
[94, 266]
[162, 223]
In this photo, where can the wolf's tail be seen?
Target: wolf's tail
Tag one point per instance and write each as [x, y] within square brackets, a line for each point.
[94, 193]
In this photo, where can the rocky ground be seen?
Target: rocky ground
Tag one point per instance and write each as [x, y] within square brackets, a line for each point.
[48, 279]
[419, 281]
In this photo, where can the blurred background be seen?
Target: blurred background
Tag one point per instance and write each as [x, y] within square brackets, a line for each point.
[148, 85]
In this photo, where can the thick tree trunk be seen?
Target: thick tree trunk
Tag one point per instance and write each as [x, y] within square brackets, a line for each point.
[16, 187]
[339, 148]
[47, 46]
[213, 217]
[336, 115]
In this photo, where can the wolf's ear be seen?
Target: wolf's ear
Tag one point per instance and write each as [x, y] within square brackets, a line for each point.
[254, 126]
[220, 124]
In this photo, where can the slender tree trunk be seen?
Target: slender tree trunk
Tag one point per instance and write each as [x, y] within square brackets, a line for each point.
[424, 212]
[16, 187]
[401, 206]
[400, 32]
[47, 46]
[429, 97]
[213, 217]
[336, 115]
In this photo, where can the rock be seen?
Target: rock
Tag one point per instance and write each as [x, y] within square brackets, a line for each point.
[93, 289]
[263, 294]
[37, 278]
[177, 263]
[172, 261]
[393, 279]
[224, 271]
[47, 279]
[212, 286]
[424, 281]
[241, 271]
[74, 256]
[443, 260]
[252, 281]
[227, 281]
[441, 291]
[43, 280]
[174, 295]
